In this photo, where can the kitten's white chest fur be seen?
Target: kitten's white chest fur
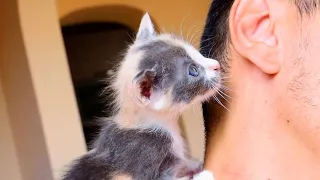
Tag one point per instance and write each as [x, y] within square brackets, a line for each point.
[178, 143]
[163, 123]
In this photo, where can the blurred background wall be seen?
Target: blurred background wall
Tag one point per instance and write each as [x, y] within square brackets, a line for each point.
[53, 56]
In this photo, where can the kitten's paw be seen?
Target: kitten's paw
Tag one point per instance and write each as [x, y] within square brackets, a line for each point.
[204, 175]
[190, 168]
[184, 178]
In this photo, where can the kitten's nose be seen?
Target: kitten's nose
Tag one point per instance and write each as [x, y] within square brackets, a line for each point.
[215, 65]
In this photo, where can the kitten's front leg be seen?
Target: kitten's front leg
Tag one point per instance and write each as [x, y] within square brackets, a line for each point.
[193, 170]
[203, 175]
[190, 168]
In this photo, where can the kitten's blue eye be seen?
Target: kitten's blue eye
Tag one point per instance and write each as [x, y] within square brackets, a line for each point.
[193, 70]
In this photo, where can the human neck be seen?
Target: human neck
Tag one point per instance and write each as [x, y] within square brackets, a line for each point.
[253, 143]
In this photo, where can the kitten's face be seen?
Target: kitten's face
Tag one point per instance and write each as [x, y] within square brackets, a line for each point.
[171, 74]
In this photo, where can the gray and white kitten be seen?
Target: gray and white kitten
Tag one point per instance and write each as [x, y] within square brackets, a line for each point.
[159, 77]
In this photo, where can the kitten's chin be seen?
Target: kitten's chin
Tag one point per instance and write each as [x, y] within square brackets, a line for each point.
[207, 96]
[215, 83]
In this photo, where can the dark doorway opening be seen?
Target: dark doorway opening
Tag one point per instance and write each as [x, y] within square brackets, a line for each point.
[92, 50]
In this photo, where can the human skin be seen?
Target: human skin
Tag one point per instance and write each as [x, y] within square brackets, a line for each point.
[272, 129]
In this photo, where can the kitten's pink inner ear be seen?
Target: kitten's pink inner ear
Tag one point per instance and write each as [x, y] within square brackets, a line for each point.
[145, 88]
[145, 81]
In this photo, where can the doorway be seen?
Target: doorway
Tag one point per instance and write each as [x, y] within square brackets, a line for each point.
[92, 50]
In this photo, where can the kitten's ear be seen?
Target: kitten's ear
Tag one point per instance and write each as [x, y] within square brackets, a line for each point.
[146, 30]
[144, 86]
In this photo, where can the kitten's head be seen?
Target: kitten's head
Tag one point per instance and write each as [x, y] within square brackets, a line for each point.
[163, 72]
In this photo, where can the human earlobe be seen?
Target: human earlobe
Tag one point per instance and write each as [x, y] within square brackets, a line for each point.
[253, 34]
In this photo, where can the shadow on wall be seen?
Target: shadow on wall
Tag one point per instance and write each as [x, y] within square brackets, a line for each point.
[121, 14]
[93, 49]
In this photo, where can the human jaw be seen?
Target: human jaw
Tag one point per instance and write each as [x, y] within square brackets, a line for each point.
[299, 101]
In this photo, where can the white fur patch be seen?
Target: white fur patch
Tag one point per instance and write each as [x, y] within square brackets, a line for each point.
[166, 124]
[122, 177]
[210, 65]
[159, 103]
[146, 29]
[184, 178]
[204, 175]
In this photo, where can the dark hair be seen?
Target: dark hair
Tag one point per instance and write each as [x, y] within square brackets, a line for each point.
[214, 37]
[215, 41]
[213, 44]
[307, 7]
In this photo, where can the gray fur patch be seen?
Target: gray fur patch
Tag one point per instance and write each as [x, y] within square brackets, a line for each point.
[141, 154]
[171, 64]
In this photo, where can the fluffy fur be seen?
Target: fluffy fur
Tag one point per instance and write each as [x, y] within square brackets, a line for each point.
[159, 77]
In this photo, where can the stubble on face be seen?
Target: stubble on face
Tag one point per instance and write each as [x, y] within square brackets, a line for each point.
[303, 84]
[300, 104]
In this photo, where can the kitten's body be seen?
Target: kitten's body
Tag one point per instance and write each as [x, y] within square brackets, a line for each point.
[159, 77]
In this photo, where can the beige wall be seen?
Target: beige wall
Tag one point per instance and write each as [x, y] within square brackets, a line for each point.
[167, 14]
[9, 166]
[41, 108]
[39, 121]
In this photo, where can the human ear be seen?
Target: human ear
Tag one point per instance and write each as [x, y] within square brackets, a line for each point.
[253, 35]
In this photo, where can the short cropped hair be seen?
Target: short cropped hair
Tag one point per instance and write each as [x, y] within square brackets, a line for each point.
[215, 42]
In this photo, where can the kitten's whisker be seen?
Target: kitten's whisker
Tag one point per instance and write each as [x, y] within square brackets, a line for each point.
[187, 38]
[181, 24]
[194, 112]
[218, 101]
[190, 30]
[226, 76]
[225, 94]
[205, 40]
[225, 82]
[202, 41]
[226, 89]
[191, 40]
[110, 63]
[197, 38]
[221, 94]
[226, 79]
[203, 46]
[131, 37]
[213, 45]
